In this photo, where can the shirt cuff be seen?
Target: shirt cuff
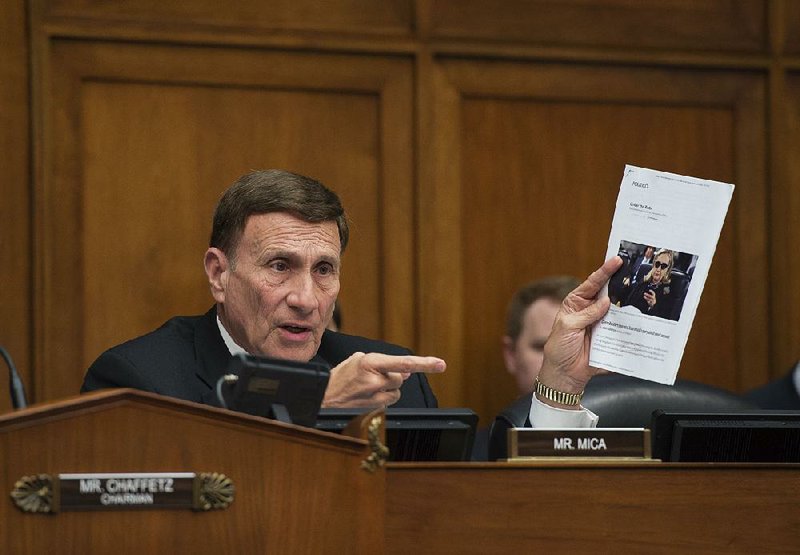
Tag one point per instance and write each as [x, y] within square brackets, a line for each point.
[544, 416]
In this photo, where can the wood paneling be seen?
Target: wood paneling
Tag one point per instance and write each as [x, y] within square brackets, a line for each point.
[392, 17]
[15, 240]
[791, 30]
[541, 150]
[453, 161]
[145, 139]
[738, 25]
[283, 477]
[786, 207]
[523, 507]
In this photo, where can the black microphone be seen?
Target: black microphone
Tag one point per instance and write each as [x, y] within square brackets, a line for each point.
[15, 383]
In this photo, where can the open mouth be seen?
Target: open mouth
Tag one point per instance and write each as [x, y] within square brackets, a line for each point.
[296, 329]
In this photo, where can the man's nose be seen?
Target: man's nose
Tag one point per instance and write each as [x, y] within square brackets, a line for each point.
[301, 294]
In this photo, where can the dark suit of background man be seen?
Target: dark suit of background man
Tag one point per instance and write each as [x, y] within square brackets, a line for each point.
[273, 266]
[780, 394]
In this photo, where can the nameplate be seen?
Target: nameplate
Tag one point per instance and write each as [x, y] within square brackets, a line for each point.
[43, 493]
[574, 443]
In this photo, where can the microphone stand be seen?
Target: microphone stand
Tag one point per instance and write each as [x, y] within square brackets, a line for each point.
[16, 388]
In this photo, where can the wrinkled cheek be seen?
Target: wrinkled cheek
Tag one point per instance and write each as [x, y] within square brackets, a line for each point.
[254, 304]
[257, 316]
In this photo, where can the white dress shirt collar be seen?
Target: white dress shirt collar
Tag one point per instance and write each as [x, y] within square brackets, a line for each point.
[233, 347]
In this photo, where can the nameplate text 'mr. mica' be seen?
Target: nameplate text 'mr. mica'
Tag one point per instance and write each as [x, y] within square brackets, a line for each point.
[575, 443]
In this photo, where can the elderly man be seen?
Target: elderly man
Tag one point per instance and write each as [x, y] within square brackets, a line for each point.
[273, 267]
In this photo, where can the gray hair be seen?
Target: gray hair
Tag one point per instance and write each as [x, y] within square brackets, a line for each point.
[265, 191]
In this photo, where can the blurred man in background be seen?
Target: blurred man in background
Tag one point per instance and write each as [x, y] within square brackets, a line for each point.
[529, 319]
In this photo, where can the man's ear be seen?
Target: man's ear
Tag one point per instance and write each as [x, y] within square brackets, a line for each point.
[217, 267]
[508, 355]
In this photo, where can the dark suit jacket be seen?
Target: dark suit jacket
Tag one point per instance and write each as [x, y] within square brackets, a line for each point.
[186, 356]
[665, 299]
[780, 394]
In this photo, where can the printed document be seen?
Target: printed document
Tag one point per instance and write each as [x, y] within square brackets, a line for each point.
[665, 229]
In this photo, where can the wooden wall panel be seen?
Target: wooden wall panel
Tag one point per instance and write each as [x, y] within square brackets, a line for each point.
[184, 96]
[791, 30]
[785, 329]
[15, 241]
[144, 140]
[393, 17]
[541, 149]
[738, 25]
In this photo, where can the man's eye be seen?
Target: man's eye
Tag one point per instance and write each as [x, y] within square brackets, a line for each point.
[279, 266]
[325, 269]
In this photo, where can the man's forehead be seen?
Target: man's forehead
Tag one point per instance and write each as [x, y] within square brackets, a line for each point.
[285, 232]
[540, 315]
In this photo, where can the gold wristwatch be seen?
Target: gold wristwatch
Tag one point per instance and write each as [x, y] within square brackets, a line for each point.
[560, 397]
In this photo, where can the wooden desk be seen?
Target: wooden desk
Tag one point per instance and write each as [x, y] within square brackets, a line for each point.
[296, 490]
[592, 508]
[304, 491]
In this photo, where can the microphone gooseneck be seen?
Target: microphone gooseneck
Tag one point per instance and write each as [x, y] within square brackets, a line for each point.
[16, 389]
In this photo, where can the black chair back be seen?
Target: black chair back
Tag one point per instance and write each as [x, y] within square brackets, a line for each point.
[625, 402]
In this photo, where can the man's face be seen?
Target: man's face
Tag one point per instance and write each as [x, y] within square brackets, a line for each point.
[648, 252]
[277, 295]
[524, 356]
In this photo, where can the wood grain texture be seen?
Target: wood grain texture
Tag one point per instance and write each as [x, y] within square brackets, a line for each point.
[598, 508]
[790, 12]
[393, 17]
[414, 113]
[738, 25]
[540, 149]
[15, 221]
[297, 490]
[786, 207]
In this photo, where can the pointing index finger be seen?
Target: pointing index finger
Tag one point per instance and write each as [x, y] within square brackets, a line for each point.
[380, 362]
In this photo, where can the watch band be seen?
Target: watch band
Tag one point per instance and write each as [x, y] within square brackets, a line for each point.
[560, 397]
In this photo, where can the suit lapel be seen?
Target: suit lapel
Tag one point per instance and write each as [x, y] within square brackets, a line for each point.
[211, 353]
